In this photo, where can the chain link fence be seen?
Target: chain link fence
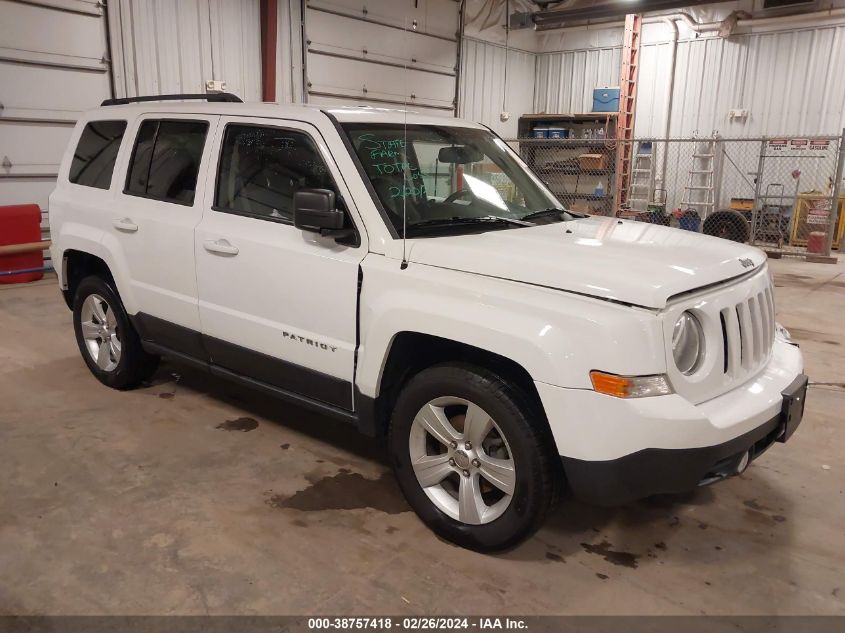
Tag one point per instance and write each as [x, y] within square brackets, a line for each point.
[784, 195]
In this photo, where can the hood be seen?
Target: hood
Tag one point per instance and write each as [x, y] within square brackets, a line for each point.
[621, 260]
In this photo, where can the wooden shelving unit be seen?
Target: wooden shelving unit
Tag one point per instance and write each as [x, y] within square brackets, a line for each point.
[527, 121]
[556, 160]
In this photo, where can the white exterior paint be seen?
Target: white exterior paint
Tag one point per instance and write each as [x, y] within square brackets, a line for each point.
[547, 256]
[306, 304]
[556, 299]
[167, 284]
[522, 322]
[671, 421]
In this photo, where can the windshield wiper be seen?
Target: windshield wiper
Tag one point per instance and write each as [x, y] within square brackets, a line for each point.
[551, 211]
[484, 219]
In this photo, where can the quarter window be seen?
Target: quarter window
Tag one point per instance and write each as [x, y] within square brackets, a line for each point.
[166, 160]
[96, 152]
[262, 167]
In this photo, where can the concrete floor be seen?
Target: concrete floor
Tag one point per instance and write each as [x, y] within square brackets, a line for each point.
[192, 496]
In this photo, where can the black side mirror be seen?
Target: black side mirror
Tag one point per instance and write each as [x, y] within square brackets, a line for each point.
[314, 210]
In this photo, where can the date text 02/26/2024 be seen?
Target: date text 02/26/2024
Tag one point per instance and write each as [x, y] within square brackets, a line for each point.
[416, 623]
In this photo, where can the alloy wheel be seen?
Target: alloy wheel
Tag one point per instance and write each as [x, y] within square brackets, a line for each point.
[462, 460]
[101, 332]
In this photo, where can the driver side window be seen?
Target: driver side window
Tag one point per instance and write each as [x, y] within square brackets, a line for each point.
[262, 167]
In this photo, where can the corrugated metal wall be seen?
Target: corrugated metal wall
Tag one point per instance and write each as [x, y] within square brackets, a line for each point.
[788, 80]
[482, 84]
[791, 83]
[160, 46]
[565, 80]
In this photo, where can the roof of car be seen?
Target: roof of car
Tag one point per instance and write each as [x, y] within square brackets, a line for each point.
[311, 113]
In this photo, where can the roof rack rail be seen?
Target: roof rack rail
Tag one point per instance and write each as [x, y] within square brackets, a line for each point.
[212, 96]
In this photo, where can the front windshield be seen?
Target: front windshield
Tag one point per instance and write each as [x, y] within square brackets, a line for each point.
[446, 178]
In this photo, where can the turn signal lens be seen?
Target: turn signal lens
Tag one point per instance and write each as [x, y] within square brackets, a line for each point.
[630, 386]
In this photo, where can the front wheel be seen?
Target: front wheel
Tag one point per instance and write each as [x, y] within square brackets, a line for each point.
[473, 456]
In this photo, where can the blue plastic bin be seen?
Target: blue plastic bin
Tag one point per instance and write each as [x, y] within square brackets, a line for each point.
[606, 100]
[540, 132]
[558, 132]
[689, 220]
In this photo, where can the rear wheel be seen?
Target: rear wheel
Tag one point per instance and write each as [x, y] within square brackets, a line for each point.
[472, 456]
[107, 341]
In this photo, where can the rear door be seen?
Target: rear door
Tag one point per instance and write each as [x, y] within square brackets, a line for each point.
[277, 304]
[153, 222]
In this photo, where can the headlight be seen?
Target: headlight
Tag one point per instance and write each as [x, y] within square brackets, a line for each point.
[687, 343]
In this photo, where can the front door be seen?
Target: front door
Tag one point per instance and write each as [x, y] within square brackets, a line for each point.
[277, 304]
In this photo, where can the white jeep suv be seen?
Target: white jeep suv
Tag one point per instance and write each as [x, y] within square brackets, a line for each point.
[410, 275]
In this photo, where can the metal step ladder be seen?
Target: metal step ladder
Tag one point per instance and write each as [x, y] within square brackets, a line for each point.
[641, 188]
[700, 190]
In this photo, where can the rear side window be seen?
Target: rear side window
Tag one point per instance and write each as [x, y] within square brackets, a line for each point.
[166, 160]
[93, 160]
[262, 167]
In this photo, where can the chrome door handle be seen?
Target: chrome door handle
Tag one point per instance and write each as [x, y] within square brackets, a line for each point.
[125, 224]
[221, 247]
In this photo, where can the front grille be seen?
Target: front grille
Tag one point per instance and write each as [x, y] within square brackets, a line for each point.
[748, 331]
[738, 319]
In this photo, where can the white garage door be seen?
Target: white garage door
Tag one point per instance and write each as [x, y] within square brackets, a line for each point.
[52, 66]
[386, 52]
[175, 47]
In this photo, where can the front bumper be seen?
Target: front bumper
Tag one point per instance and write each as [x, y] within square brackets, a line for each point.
[617, 450]
[660, 471]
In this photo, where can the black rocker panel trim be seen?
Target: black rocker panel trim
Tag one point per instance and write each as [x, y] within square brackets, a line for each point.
[279, 373]
[283, 394]
[182, 340]
[234, 361]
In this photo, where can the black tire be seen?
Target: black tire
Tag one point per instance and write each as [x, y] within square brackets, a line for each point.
[135, 365]
[727, 225]
[531, 447]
